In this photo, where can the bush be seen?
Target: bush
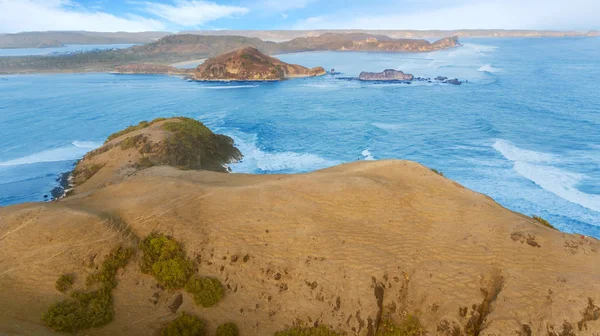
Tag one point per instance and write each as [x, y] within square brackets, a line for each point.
[187, 140]
[543, 222]
[207, 292]
[89, 309]
[317, 331]
[228, 329]
[64, 282]
[437, 172]
[143, 124]
[165, 259]
[184, 325]
[410, 326]
[144, 162]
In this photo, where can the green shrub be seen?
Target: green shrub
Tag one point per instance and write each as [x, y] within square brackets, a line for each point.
[130, 142]
[206, 291]
[410, 326]
[437, 172]
[316, 331]
[143, 124]
[144, 162]
[84, 174]
[184, 325]
[89, 309]
[113, 262]
[165, 259]
[64, 282]
[228, 329]
[188, 138]
[543, 222]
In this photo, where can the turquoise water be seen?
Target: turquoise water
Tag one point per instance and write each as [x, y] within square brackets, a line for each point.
[524, 130]
[70, 48]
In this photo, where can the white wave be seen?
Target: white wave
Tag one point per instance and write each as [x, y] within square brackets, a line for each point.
[69, 153]
[225, 87]
[368, 156]
[537, 167]
[387, 127]
[86, 144]
[489, 68]
[256, 159]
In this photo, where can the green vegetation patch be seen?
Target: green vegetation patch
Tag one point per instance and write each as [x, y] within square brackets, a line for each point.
[187, 142]
[184, 325]
[410, 326]
[206, 291]
[543, 222]
[437, 172]
[65, 282]
[316, 331]
[89, 309]
[165, 259]
[228, 329]
[143, 124]
[84, 174]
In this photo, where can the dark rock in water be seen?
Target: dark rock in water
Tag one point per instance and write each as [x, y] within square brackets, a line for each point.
[454, 81]
[440, 78]
[332, 71]
[63, 185]
[386, 75]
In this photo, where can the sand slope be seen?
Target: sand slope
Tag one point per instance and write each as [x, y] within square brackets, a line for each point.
[338, 246]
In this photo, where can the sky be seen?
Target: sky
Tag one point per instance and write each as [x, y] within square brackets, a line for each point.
[180, 15]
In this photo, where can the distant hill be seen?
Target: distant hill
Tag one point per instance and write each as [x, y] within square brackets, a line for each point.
[180, 48]
[60, 38]
[286, 35]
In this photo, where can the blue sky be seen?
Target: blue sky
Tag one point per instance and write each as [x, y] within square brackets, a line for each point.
[178, 15]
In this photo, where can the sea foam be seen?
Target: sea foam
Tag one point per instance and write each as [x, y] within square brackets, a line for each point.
[67, 153]
[258, 161]
[540, 168]
[489, 68]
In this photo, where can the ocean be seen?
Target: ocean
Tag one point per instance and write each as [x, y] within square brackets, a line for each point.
[524, 130]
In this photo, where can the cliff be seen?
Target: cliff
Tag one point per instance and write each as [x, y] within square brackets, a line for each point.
[388, 74]
[250, 64]
[363, 248]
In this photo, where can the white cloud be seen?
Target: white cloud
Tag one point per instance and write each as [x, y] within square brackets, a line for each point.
[191, 13]
[490, 14]
[283, 5]
[41, 15]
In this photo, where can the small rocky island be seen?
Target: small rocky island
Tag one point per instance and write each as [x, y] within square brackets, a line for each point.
[391, 75]
[249, 64]
[388, 74]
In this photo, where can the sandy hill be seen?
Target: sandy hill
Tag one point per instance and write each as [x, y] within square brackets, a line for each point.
[250, 64]
[366, 248]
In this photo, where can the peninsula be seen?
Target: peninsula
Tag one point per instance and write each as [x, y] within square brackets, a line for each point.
[156, 237]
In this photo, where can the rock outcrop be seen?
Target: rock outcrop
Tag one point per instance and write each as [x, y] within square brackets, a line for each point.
[179, 142]
[249, 64]
[362, 247]
[385, 75]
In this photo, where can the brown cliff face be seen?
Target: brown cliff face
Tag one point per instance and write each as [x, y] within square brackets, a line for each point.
[352, 247]
[250, 64]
